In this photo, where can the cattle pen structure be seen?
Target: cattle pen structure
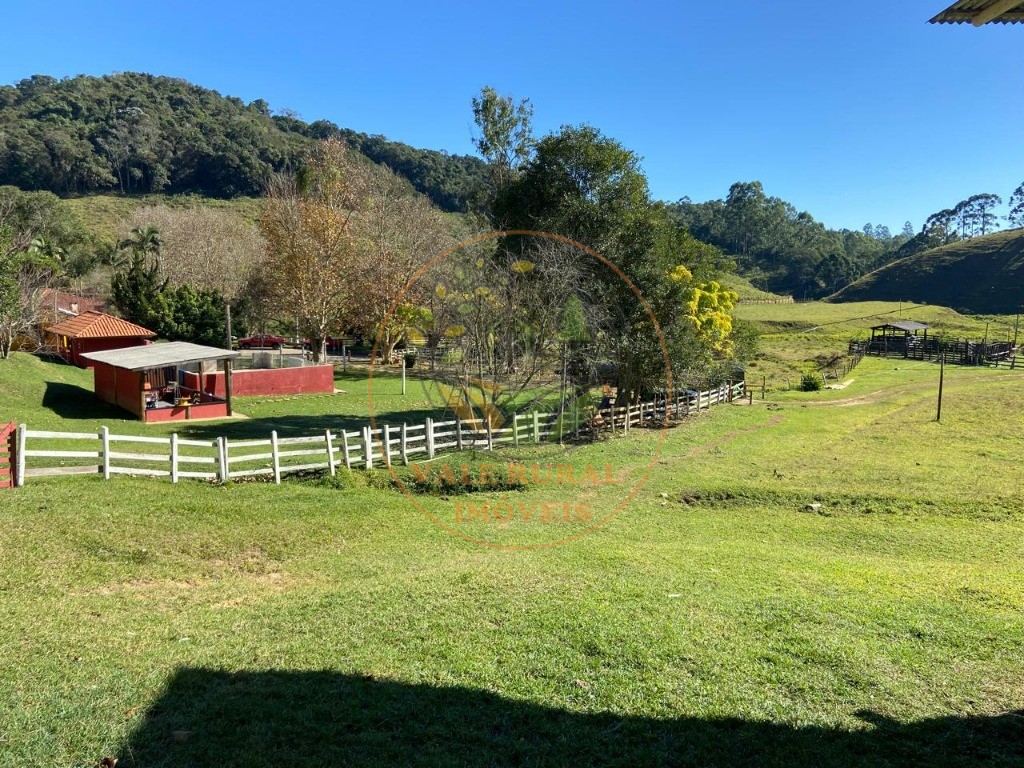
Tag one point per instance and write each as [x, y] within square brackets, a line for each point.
[909, 339]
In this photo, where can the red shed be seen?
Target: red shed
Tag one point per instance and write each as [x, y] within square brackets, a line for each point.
[147, 381]
[93, 332]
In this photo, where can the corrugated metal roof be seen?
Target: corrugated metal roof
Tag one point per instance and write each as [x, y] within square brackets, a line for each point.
[159, 355]
[980, 12]
[97, 325]
[904, 325]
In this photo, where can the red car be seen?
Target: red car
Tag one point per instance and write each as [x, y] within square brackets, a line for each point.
[261, 341]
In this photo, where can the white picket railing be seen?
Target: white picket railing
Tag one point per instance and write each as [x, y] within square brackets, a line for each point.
[222, 459]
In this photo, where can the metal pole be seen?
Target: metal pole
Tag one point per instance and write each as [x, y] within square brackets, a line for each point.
[942, 373]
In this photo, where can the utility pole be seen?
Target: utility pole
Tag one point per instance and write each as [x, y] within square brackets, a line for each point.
[227, 322]
[942, 372]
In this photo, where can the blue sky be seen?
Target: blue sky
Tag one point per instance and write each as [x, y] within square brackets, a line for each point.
[878, 118]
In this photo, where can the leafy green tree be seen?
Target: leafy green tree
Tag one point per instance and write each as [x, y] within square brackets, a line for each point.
[1016, 214]
[505, 138]
[585, 186]
[137, 288]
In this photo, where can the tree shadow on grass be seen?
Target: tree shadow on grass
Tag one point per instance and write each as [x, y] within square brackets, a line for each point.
[212, 718]
[301, 425]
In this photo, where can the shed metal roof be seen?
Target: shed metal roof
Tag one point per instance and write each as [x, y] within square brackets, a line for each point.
[159, 355]
[978, 12]
[98, 325]
[903, 325]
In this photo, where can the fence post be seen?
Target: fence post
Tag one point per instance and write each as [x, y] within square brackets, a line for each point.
[345, 449]
[174, 457]
[275, 457]
[368, 446]
[490, 434]
[385, 434]
[404, 448]
[458, 432]
[105, 438]
[611, 417]
[536, 427]
[330, 451]
[222, 464]
[515, 429]
[430, 438]
[19, 480]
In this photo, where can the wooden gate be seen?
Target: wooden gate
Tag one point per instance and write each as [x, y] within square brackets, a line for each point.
[8, 441]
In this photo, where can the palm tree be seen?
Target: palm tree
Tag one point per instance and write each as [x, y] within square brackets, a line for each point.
[142, 242]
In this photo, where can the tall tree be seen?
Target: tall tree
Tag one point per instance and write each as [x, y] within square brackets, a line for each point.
[981, 207]
[311, 252]
[505, 139]
[1016, 214]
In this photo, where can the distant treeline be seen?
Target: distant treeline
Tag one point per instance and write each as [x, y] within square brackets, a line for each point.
[785, 250]
[138, 133]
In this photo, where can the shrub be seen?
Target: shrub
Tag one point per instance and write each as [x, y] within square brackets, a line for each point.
[811, 382]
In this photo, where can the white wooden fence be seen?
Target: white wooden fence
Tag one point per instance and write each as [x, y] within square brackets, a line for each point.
[41, 453]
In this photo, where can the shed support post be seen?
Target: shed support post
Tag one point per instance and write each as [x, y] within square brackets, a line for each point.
[227, 384]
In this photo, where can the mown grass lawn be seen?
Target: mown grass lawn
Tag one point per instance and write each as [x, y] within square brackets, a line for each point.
[713, 621]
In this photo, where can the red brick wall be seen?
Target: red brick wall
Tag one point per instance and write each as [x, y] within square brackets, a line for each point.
[267, 381]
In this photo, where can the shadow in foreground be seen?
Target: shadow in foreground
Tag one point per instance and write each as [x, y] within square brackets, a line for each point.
[211, 718]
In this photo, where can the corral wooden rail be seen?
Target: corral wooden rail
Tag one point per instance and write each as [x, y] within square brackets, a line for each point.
[220, 459]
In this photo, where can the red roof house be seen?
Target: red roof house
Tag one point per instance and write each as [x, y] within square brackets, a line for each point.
[94, 332]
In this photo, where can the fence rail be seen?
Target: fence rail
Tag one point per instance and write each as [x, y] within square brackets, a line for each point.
[36, 451]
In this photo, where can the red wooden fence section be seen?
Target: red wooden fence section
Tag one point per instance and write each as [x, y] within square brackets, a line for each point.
[8, 435]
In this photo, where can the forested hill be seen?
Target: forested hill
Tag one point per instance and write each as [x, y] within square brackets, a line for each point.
[783, 249]
[136, 133]
[982, 274]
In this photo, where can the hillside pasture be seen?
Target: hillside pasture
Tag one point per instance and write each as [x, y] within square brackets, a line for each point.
[717, 620]
[808, 336]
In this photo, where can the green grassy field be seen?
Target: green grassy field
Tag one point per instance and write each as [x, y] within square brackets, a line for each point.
[714, 620]
[105, 215]
[796, 338]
